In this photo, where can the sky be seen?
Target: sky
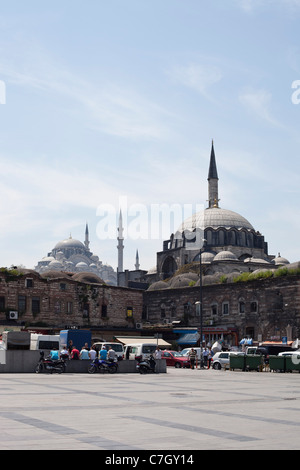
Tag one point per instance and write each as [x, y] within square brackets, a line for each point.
[109, 105]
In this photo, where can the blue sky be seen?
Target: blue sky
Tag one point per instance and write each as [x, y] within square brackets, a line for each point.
[121, 99]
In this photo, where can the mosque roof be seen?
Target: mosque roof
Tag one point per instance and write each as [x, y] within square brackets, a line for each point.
[215, 217]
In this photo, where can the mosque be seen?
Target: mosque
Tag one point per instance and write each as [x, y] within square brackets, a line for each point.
[73, 256]
[228, 243]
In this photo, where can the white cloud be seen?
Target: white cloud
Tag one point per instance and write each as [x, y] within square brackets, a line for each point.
[198, 77]
[107, 106]
[259, 103]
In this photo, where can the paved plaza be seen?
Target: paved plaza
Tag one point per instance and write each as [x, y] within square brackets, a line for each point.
[181, 410]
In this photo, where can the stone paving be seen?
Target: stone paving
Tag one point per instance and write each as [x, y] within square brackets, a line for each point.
[182, 410]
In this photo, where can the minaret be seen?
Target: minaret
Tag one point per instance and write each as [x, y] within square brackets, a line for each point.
[213, 199]
[86, 241]
[120, 244]
[137, 261]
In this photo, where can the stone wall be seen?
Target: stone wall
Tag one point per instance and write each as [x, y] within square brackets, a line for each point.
[61, 302]
[261, 307]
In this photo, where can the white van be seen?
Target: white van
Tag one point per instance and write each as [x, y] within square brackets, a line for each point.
[143, 350]
[117, 347]
[44, 341]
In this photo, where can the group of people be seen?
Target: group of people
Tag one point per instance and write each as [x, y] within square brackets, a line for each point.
[206, 358]
[71, 352]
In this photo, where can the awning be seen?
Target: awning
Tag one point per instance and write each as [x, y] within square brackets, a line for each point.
[189, 338]
[142, 339]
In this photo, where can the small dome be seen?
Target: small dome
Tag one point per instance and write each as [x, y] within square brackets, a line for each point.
[256, 260]
[55, 263]
[47, 259]
[158, 285]
[87, 277]
[81, 264]
[207, 257]
[225, 256]
[180, 281]
[280, 261]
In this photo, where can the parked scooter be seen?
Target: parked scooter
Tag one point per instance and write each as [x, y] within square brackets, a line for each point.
[146, 366]
[103, 366]
[49, 365]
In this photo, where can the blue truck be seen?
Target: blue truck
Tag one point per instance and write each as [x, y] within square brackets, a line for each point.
[78, 338]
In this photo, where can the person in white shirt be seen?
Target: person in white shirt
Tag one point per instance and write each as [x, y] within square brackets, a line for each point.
[157, 353]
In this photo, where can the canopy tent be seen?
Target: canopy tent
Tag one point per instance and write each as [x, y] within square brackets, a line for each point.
[143, 339]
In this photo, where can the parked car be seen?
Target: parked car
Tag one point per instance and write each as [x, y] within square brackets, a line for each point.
[174, 358]
[290, 353]
[219, 360]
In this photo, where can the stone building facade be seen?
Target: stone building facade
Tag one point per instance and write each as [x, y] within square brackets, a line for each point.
[59, 300]
[263, 309]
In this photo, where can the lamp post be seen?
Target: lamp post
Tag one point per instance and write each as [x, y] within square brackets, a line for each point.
[200, 302]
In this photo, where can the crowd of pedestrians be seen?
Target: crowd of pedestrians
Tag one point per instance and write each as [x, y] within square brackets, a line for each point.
[70, 352]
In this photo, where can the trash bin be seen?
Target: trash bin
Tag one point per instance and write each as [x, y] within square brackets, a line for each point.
[293, 363]
[277, 363]
[237, 361]
[254, 362]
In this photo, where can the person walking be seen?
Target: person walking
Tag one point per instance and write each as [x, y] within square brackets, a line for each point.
[192, 355]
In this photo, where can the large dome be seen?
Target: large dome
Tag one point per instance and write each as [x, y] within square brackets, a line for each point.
[69, 243]
[215, 218]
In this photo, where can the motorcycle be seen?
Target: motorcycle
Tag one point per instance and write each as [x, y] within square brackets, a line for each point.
[103, 366]
[146, 366]
[49, 365]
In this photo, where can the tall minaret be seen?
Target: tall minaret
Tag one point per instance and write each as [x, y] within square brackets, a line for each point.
[86, 240]
[120, 244]
[137, 261]
[213, 198]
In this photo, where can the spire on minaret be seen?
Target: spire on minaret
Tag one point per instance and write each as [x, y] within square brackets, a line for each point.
[213, 199]
[86, 240]
[137, 261]
[120, 244]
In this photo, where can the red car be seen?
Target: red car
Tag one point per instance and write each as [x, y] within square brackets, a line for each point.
[174, 358]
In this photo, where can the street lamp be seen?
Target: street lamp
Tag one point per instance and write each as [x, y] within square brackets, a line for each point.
[200, 302]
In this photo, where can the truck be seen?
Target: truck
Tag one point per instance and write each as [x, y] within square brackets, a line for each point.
[38, 341]
[16, 340]
[78, 337]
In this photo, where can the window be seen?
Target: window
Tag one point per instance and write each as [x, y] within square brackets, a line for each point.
[253, 306]
[129, 312]
[162, 311]
[104, 311]
[214, 309]
[225, 308]
[69, 307]
[57, 307]
[86, 311]
[241, 306]
[22, 303]
[29, 283]
[62, 286]
[35, 305]
[2, 304]
[173, 310]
